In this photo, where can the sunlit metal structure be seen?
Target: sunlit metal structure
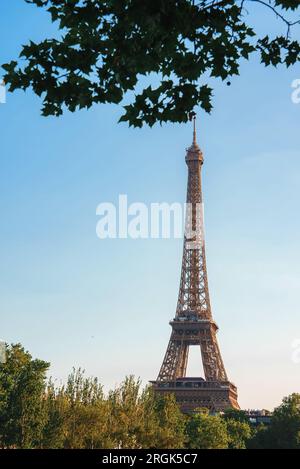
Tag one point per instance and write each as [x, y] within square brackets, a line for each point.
[193, 323]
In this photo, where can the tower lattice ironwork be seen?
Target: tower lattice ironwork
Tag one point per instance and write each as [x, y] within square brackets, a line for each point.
[193, 323]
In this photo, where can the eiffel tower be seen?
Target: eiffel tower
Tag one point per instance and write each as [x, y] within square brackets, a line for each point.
[193, 323]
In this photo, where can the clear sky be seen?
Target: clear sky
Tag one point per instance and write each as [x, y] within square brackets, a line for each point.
[104, 305]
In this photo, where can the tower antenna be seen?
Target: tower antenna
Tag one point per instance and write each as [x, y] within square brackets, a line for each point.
[194, 132]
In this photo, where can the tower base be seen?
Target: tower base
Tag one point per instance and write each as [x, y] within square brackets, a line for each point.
[195, 393]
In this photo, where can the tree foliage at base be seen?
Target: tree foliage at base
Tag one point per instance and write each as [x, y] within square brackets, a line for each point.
[36, 413]
[207, 432]
[107, 48]
[22, 412]
[81, 416]
[284, 431]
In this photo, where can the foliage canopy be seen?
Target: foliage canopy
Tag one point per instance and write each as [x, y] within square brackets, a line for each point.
[36, 413]
[107, 48]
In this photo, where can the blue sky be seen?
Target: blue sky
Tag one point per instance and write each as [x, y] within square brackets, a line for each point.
[104, 305]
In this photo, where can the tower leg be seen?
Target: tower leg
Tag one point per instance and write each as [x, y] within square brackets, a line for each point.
[213, 366]
[175, 360]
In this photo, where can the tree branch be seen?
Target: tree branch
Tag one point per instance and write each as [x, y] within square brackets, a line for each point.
[289, 24]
